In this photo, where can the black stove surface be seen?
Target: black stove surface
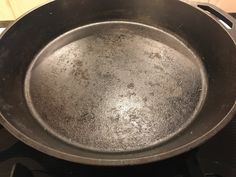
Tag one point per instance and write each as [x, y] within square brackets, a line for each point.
[216, 158]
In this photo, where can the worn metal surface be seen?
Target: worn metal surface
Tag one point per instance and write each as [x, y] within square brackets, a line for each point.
[115, 86]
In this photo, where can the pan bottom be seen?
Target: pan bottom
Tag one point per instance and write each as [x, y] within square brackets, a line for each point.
[115, 86]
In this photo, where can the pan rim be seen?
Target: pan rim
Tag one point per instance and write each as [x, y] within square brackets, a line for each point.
[116, 162]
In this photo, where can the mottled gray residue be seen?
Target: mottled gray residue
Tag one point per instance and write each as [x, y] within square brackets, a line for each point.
[115, 88]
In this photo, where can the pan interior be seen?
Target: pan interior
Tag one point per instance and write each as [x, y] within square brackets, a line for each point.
[115, 86]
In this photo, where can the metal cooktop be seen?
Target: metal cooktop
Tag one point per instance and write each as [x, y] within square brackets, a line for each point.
[216, 158]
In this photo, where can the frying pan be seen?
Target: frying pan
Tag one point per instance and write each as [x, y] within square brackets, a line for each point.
[116, 82]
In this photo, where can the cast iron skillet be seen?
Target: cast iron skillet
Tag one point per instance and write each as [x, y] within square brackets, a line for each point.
[117, 82]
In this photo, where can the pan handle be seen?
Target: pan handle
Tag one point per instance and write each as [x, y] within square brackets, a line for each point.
[222, 17]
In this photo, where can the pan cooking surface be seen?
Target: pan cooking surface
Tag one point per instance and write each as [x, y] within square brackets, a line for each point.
[115, 86]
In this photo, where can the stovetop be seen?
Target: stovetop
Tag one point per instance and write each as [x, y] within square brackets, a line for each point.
[216, 158]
